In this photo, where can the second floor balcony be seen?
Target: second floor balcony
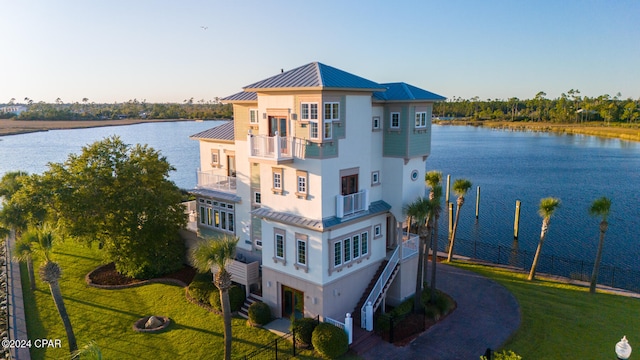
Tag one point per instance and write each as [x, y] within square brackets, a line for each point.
[272, 148]
[211, 181]
[347, 205]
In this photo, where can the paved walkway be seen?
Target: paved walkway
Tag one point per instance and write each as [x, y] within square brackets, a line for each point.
[486, 316]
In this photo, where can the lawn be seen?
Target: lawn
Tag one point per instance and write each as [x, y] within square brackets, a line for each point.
[565, 321]
[107, 316]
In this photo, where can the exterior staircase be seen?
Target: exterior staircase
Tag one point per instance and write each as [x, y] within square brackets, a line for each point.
[244, 310]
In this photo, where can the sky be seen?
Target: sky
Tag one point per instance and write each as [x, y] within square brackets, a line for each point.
[156, 50]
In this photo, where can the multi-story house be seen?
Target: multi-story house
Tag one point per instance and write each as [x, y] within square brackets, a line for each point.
[311, 176]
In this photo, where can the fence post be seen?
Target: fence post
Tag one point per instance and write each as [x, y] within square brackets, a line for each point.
[348, 325]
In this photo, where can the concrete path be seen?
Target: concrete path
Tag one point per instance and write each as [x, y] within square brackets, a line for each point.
[486, 316]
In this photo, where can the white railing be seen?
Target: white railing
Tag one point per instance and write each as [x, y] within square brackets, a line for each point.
[353, 203]
[271, 147]
[346, 326]
[410, 244]
[378, 288]
[209, 180]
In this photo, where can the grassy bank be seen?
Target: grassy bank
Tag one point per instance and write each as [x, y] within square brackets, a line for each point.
[107, 316]
[561, 320]
[629, 132]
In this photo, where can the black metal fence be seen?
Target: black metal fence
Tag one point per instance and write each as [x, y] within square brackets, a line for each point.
[282, 348]
[551, 264]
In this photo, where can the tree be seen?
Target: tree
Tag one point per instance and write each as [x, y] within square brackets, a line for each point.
[547, 207]
[419, 210]
[433, 179]
[24, 252]
[460, 188]
[50, 273]
[126, 202]
[215, 254]
[600, 207]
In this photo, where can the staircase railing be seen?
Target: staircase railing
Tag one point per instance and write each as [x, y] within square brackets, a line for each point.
[378, 288]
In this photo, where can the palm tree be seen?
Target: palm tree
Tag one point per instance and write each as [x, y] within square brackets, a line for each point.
[50, 273]
[434, 180]
[90, 351]
[600, 207]
[419, 210]
[24, 251]
[216, 253]
[460, 188]
[547, 207]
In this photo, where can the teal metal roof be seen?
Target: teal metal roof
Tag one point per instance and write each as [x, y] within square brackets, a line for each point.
[242, 96]
[220, 132]
[401, 91]
[315, 75]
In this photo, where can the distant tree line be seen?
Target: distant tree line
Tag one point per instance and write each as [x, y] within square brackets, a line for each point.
[570, 107]
[86, 110]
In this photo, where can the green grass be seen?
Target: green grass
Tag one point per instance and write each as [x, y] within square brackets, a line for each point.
[107, 316]
[561, 320]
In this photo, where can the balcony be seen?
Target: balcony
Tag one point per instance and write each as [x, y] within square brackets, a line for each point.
[211, 181]
[347, 205]
[275, 149]
[410, 244]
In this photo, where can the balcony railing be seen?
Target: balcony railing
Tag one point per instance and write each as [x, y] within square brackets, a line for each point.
[351, 204]
[271, 147]
[410, 244]
[209, 180]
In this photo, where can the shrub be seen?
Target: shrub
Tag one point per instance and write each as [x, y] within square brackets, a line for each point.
[201, 288]
[259, 313]
[303, 329]
[329, 340]
[236, 298]
[504, 355]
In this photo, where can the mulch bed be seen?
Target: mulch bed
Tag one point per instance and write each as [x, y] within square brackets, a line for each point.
[107, 275]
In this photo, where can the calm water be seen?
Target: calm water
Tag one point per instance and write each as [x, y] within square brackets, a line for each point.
[510, 166]
[507, 166]
[31, 152]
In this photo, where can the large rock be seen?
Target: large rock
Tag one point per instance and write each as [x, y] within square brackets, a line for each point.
[153, 323]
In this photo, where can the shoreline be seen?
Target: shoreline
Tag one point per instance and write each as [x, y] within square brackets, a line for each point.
[626, 133]
[16, 127]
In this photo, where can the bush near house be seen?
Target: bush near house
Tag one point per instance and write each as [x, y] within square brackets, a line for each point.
[303, 328]
[201, 287]
[329, 340]
[442, 305]
[259, 313]
[236, 298]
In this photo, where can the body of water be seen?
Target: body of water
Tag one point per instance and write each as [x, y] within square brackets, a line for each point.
[508, 166]
[32, 152]
[528, 166]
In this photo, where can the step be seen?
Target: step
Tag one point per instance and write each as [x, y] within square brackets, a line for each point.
[244, 310]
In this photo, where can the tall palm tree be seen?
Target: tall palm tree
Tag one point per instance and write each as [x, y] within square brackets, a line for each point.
[419, 211]
[460, 188]
[547, 207]
[50, 273]
[600, 207]
[433, 179]
[216, 254]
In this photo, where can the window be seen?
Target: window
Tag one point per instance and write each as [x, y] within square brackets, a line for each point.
[215, 158]
[257, 198]
[395, 120]
[377, 231]
[301, 251]
[279, 244]
[332, 111]
[375, 177]
[327, 129]
[309, 112]
[277, 180]
[337, 254]
[253, 116]
[217, 215]
[364, 242]
[302, 179]
[421, 120]
[347, 250]
[375, 123]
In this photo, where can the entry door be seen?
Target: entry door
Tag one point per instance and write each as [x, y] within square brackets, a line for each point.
[292, 303]
[231, 165]
[278, 124]
[349, 184]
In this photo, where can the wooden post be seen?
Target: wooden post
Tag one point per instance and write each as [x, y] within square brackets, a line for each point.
[450, 220]
[448, 188]
[477, 202]
[516, 223]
